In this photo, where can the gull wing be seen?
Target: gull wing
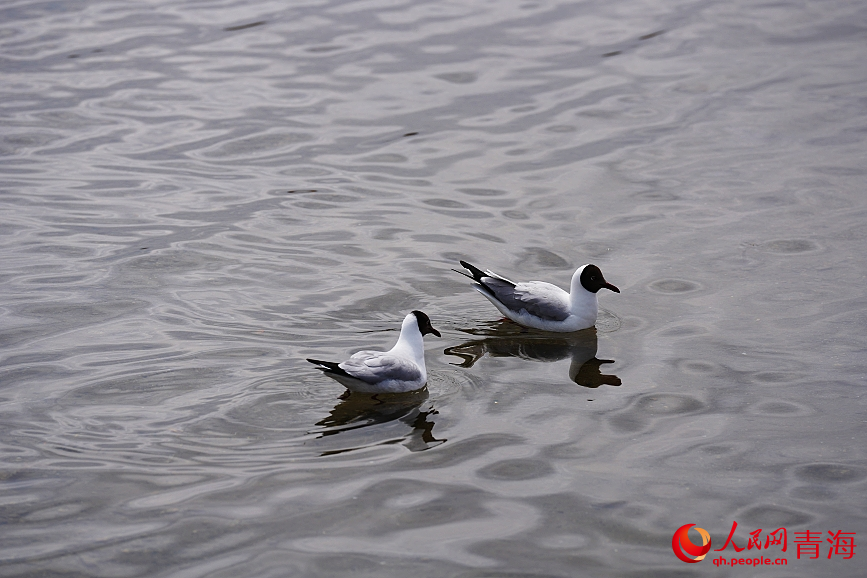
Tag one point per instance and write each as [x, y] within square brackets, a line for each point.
[536, 297]
[374, 367]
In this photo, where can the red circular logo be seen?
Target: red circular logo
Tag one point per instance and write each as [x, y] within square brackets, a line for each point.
[685, 549]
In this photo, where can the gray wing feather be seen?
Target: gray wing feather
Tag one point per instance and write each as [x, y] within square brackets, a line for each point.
[380, 367]
[540, 299]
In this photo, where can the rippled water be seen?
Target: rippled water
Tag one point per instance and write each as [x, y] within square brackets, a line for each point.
[198, 195]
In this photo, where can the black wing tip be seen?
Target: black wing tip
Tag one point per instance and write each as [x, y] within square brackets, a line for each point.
[472, 268]
[477, 273]
[328, 367]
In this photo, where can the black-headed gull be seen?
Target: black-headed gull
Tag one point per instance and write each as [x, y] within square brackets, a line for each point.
[398, 370]
[541, 305]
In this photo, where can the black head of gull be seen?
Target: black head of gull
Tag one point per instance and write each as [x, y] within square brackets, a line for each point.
[424, 325]
[592, 280]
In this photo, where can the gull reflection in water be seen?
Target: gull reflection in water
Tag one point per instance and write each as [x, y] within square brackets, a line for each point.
[507, 339]
[357, 411]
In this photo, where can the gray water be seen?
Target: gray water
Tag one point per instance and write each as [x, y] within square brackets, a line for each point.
[196, 196]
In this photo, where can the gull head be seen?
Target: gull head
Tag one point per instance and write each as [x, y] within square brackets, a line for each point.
[592, 280]
[424, 325]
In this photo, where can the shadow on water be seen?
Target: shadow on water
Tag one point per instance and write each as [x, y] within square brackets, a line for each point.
[357, 411]
[507, 339]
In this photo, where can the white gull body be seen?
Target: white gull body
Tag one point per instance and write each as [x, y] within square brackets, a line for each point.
[541, 305]
[401, 369]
